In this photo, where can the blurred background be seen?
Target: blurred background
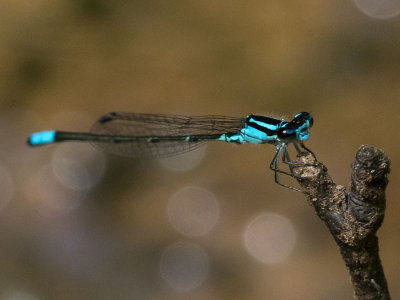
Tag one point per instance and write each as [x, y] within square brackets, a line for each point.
[77, 223]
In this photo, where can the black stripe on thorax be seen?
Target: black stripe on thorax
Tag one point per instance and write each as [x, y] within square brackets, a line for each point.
[272, 121]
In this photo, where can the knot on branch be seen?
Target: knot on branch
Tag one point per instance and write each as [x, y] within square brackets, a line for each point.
[371, 165]
[352, 217]
[368, 183]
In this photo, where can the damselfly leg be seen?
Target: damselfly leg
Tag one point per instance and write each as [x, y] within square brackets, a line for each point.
[275, 161]
[274, 166]
[305, 148]
[286, 159]
[282, 150]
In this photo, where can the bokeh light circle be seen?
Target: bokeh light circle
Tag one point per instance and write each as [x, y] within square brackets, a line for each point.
[381, 9]
[79, 166]
[270, 238]
[193, 211]
[184, 266]
[52, 195]
[185, 161]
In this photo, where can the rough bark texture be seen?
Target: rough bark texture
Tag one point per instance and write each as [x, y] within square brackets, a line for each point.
[353, 217]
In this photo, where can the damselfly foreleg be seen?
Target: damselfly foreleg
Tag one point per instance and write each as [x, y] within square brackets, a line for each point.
[274, 166]
[286, 159]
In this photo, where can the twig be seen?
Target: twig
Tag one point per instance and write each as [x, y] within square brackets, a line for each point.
[353, 217]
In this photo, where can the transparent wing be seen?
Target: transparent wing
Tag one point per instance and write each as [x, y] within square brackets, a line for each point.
[161, 135]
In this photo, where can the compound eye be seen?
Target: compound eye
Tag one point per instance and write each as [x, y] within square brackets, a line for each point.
[311, 120]
[302, 118]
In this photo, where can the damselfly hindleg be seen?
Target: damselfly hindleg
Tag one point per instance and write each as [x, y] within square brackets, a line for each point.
[274, 166]
[286, 159]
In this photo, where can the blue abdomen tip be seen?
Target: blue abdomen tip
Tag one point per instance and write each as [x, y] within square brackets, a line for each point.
[42, 138]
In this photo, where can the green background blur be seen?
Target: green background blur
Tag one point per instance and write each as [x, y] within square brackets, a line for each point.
[63, 64]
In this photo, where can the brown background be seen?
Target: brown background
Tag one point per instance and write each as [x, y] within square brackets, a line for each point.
[65, 63]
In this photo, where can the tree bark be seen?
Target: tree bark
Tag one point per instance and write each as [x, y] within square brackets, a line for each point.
[352, 217]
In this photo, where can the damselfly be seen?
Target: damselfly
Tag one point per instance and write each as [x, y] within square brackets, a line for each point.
[153, 135]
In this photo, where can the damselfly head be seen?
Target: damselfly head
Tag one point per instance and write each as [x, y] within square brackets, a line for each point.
[297, 129]
[302, 134]
[302, 118]
[303, 121]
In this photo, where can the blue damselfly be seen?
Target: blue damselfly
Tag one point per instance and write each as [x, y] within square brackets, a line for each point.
[155, 135]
